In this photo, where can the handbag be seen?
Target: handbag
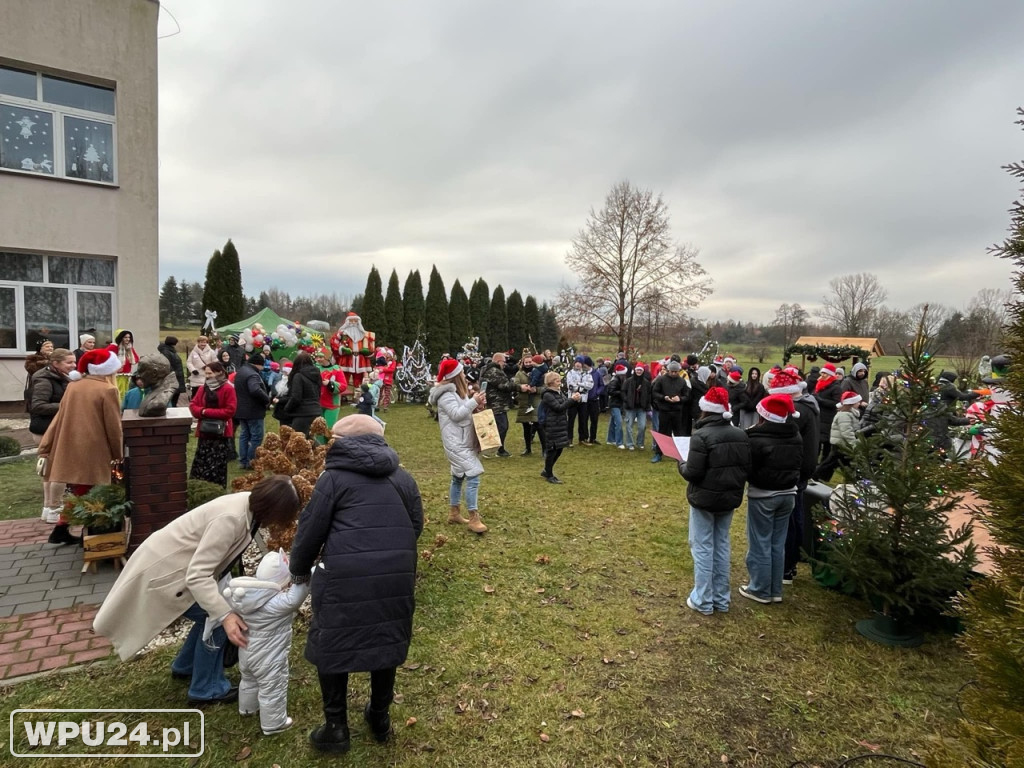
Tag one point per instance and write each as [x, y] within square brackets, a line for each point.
[486, 430]
[212, 427]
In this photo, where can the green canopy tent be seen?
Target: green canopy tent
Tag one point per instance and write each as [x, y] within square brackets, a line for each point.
[269, 319]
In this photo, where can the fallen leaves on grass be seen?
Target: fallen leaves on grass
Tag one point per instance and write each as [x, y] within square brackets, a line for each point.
[542, 560]
[488, 589]
[544, 737]
[243, 754]
[410, 722]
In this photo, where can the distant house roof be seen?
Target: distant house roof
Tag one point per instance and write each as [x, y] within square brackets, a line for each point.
[868, 343]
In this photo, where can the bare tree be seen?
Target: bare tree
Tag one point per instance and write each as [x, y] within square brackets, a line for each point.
[790, 319]
[853, 302]
[988, 311]
[934, 316]
[624, 250]
[894, 328]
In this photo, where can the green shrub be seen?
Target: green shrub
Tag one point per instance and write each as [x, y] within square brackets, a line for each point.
[9, 446]
[200, 491]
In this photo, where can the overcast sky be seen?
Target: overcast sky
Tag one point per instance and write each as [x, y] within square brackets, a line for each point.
[793, 141]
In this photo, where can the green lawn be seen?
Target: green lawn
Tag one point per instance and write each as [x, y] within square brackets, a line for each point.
[561, 638]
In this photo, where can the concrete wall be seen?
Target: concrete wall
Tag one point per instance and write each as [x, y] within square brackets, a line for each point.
[114, 43]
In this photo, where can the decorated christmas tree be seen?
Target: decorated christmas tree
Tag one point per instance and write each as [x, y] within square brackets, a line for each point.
[414, 377]
[896, 550]
[993, 611]
[471, 350]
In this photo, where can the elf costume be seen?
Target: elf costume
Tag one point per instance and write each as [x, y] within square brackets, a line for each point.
[332, 386]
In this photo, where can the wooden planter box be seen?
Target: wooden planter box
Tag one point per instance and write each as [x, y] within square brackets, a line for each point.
[106, 546]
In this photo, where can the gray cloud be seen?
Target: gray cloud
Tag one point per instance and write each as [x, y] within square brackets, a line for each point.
[793, 141]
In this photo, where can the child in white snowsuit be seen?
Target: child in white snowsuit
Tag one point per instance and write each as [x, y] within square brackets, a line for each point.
[267, 604]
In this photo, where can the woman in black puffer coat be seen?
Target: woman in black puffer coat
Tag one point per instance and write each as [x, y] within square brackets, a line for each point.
[556, 424]
[303, 401]
[362, 521]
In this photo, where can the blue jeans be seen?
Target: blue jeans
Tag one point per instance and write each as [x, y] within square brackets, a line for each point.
[615, 427]
[455, 491]
[635, 417]
[250, 437]
[655, 420]
[709, 546]
[206, 665]
[767, 523]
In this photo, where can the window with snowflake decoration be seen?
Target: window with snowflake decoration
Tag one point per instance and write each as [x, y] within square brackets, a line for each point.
[56, 127]
[26, 139]
[88, 149]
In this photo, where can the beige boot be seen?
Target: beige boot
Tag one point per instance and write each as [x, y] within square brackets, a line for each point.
[454, 517]
[475, 523]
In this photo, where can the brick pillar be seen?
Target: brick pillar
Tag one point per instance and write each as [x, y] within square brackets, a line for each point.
[157, 471]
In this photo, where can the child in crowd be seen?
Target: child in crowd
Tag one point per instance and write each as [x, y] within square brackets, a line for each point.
[267, 605]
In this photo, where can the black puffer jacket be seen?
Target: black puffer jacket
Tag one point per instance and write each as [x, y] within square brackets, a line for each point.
[807, 424]
[47, 390]
[614, 391]
[776, 453]
[828, 399]
[363, 521]
[556, 425]
[303, 393]
[717, 467]
[668, 386]
[500, 387]
[697, 390]
[175, 360]
[636, 392]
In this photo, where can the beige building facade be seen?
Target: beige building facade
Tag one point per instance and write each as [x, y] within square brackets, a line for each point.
[78, 176]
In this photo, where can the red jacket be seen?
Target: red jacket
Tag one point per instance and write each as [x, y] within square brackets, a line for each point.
[226, 404]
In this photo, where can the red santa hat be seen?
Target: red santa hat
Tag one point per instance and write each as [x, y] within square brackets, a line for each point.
[777, 408]
[716, 401]
[99, 362]
[828, 370]
[793, 371]
[735, 375]
[850, 398]
[784, 383]
[449, 369]
[620, 368]
[639, 368]
[538, 359]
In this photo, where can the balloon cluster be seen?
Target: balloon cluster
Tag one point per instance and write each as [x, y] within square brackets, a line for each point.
[284, 336]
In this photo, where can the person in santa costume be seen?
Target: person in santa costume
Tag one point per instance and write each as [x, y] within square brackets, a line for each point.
[386, 367]
[354, 349]
[333, 385]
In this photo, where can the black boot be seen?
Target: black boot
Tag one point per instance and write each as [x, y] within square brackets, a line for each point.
[61, 534]
[379, 722]
[330, 737]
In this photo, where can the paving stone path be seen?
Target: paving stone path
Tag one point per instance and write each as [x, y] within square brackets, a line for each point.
[46, 603]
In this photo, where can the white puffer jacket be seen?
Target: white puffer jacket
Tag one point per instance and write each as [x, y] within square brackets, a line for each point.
[455, 415]
[268, 612]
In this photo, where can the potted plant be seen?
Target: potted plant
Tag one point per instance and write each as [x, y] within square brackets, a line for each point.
[896, 550]
[101, 510]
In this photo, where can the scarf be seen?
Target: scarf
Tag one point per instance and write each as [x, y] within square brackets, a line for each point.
[215, 382]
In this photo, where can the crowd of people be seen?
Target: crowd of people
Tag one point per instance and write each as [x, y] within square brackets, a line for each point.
[760, 437]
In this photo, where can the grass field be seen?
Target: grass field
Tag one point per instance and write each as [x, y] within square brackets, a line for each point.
[561, 638]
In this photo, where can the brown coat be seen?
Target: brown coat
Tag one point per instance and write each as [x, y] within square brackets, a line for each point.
[175, 567]
[85, 436]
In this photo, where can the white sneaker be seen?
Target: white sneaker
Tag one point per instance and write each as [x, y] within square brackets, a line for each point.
[622, 448]
[529, 410]
[288, 723]
[52, 516]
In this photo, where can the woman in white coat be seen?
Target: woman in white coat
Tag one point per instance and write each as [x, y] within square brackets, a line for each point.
[202, 355]
[455, 410]
[175, 573]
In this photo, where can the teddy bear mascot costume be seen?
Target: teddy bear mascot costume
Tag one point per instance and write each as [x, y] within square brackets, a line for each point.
[354, 349]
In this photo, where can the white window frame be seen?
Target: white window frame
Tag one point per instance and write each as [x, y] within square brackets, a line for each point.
[58, 112]
[73, 290]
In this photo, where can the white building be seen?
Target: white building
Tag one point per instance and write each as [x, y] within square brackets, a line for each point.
[78, 175]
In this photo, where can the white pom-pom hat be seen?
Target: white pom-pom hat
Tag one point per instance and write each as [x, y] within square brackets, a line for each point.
[716, 401]
[777, 408]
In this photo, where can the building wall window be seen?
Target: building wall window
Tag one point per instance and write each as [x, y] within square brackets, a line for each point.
[56, 127]
[54, 297]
